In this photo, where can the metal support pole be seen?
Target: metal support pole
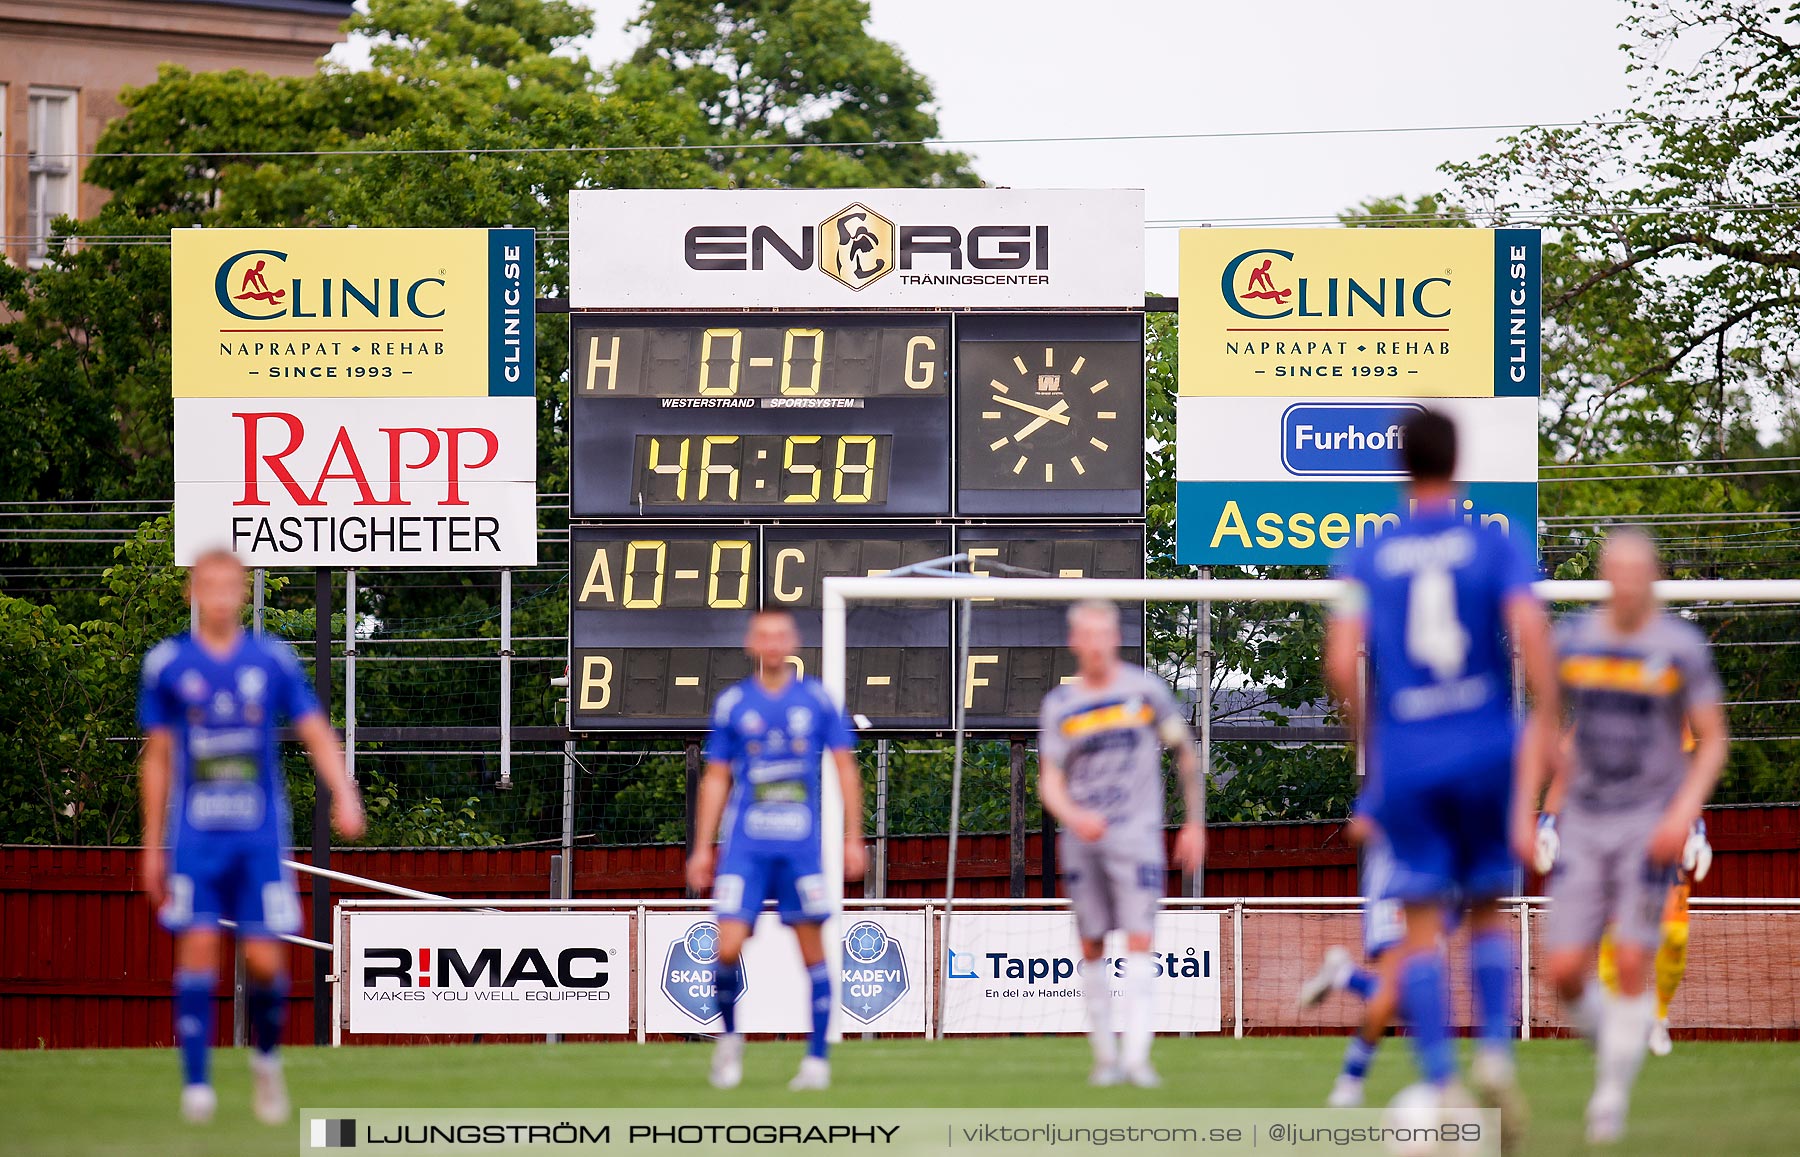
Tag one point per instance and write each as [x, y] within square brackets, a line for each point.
[1203, 676]
[321, 857]
[1524, 970]
[350, 674]
[1047, 882]
[1237, 970]
[506, 657]
[878, 864]
[691, 748]
[833, 626]
[556, 881]
[568, 791]
[1362, 697]
[1015, 842]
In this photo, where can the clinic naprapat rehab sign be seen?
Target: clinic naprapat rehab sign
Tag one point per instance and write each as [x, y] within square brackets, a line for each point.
[1303, 351]
[355, 397]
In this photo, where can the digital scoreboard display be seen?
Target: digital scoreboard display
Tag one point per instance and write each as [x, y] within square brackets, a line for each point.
[795, 416]
[720, 463]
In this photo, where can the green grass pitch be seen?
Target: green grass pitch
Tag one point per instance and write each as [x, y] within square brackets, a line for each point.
[1708, 1098]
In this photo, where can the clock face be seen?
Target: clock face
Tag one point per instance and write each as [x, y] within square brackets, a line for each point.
[1049, 426]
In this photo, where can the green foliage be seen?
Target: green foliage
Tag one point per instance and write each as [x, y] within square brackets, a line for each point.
[70, 699]
[423, 823]
[472, 113]
[792, 93]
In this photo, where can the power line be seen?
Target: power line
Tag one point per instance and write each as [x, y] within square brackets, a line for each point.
[920, 142]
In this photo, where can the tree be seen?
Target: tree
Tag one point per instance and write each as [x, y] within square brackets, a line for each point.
[476, 113]
[794, 92]
[1671, 307]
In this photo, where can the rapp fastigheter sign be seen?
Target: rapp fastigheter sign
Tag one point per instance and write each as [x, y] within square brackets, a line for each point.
[301, 359]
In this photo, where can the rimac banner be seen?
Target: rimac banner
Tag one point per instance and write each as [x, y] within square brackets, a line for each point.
[884, 976]
[467, 972]
[1022, 972]
[856, 248]
[1303, 351]
[355, 397]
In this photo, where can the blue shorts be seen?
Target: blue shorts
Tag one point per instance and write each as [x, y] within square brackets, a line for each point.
[230, 877]
[1447, 831]
[1384, 921]
[793, 878]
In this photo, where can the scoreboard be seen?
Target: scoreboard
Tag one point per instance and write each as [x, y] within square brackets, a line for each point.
[722, 462]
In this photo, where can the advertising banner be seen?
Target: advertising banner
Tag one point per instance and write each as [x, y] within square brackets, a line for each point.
[1304, 351]
[1022, 972]
[884, 980]
[856, 248]
[301, 359]
[468, 972]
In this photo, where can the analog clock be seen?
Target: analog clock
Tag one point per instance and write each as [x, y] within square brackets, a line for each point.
[1051, 421]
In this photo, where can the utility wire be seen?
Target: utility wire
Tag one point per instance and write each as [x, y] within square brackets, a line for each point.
[944, 142]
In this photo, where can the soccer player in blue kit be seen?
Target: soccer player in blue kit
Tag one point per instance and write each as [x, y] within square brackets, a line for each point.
[1435, 602]
[763, 765]
[210, 702]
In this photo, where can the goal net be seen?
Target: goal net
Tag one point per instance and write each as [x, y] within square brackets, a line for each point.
[1013, 965]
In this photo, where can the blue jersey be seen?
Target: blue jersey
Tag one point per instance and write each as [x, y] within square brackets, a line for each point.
[774, 744]
[1431, 594]
[223, 712]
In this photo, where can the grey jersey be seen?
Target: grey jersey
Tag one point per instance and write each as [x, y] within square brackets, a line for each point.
[1629, 696]
[1109, 743]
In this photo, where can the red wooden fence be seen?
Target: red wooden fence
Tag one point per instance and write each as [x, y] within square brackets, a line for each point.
[83, 965]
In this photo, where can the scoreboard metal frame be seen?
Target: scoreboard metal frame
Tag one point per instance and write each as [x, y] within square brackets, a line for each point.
[723, 462]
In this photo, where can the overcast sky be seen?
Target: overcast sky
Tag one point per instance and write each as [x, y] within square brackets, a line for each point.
[1048, 68]
[1043, 68]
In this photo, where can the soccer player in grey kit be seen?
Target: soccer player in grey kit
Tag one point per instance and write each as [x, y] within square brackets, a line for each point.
[1100, 744]
[1634, 677]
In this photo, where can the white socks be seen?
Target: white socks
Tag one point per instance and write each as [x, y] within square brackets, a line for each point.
[1096, 989]
[1586, 1011]
[1624, 1038]
[1140, 979]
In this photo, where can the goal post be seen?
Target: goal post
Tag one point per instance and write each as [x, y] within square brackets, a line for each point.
[839, 592]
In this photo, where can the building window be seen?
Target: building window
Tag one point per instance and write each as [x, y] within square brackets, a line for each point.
[51, 167]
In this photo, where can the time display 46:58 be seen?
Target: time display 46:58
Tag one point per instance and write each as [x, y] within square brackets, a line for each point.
[794, 470]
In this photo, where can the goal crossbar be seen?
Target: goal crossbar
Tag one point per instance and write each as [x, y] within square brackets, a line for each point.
[839, 592]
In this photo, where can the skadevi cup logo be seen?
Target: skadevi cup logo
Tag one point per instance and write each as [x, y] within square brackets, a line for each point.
[690, 976]
[259, 285]
[875, 976]
[1268, 284]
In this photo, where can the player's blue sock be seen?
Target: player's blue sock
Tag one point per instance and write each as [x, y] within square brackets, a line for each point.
[266, 1003]
[1362, 983]
[1491, 961]
[729, 979]
[193, 1022]
[1425, 999]
[1357, 1056]
[820, 976]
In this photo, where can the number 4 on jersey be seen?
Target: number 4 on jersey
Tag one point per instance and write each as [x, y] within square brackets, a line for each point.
[1435, 638]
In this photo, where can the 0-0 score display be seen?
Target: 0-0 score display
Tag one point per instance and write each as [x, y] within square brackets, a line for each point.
[798, 416]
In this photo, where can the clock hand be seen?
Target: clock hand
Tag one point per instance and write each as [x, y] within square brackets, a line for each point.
[1053, 414]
